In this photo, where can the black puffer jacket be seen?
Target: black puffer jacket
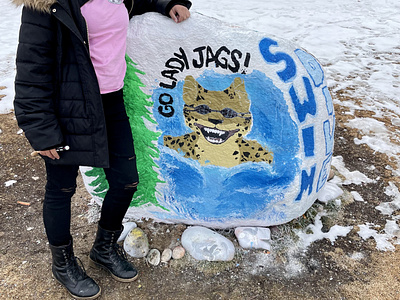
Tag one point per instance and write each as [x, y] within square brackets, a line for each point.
[57, 97]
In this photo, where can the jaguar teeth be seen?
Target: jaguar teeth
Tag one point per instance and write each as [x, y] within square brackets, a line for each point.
[214, 135]
[214, 131]
[214, 140]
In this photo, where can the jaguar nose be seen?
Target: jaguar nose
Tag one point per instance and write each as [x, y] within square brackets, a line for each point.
[215, 121]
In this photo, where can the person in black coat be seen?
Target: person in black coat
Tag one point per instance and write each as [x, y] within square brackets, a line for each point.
[61, 100]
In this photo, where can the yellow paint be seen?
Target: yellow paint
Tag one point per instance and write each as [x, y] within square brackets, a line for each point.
[219, 120]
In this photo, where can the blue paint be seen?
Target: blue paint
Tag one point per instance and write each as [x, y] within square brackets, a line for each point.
[289, 72]
[176, 122]
[312, 66]
[328, 100]
[309, 105]
[306, 107]
[306, 182]
[212, 193]
[308, 141]
[324, 173]
[328, 133]
[329, 140]
[217, 192]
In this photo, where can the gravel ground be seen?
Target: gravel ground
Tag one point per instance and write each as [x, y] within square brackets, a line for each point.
[349, 268]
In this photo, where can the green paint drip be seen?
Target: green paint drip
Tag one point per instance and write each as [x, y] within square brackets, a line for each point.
[136, 103]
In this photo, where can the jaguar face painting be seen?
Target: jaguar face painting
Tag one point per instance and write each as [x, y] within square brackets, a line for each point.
[219, 121]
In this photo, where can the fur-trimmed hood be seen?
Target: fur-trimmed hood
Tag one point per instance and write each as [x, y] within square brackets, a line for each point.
[39, 5]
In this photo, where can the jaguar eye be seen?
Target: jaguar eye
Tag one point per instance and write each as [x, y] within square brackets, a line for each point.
[202, 109]
[229, 113]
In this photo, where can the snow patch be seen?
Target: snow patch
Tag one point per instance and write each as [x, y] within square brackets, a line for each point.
[383, 240]
[387, 208]
[351, 177]
[357, 196]
[10, 183]
[306, 239]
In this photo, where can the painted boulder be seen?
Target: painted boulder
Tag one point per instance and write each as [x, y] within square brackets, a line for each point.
[232, 127]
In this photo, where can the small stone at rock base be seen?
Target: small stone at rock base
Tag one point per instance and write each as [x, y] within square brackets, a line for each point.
[253, 237]
[136, 243]
[178, 252]
[153, 257]
[166, 255]
[329, 192]
[128, 226]
[205, 244]
[331, 174]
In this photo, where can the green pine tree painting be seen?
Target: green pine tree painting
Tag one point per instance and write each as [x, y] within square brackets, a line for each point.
[136, 103]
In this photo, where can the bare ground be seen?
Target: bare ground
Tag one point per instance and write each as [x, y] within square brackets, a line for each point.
[350, 268]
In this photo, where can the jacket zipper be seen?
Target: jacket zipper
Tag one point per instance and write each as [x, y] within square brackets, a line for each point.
[129, 12]
[72, 29]
[87, 34]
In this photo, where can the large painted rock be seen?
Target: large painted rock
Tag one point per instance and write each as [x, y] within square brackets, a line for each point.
[232, 127]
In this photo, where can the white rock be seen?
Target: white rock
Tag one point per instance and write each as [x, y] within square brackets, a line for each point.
[205, 244]
[178, 252]
[128, 226]
[136, 243]
[253, 237]
[329, 192]
[166, 255]
[153, 257]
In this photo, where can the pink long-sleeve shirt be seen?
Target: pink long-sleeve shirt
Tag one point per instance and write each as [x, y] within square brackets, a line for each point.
[107, 22]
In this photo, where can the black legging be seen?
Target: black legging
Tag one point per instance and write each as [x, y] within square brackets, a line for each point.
[122, 177]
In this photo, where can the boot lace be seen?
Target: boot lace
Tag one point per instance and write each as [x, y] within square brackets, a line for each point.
[120, 253]
[76, 270]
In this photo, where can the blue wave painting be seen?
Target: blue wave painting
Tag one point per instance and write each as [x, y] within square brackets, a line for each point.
[246, 191]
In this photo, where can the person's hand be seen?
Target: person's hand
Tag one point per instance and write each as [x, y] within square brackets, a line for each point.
[179, 13]
[52, 153]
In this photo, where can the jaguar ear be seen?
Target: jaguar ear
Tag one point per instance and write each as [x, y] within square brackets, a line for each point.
[238, 86]
[192, 90]
[237, 90]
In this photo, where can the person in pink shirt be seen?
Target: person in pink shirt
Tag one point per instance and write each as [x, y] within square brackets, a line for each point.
[68, 92]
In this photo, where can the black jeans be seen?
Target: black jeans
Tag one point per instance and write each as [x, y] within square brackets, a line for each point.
[122, 177]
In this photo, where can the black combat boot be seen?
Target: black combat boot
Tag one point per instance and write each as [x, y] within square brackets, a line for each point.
[67, 271]
[109, 255]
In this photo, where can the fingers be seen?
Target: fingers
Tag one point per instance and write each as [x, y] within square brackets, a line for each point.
[179, 13]
[46, 153]
[52, 153]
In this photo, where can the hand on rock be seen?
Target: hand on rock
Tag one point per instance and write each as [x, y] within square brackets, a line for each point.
[179, 13]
